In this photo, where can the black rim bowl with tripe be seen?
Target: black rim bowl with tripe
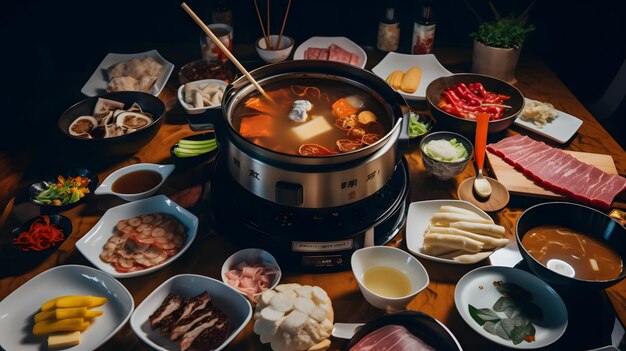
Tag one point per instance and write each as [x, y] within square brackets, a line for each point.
[37, 188]
[117, 145]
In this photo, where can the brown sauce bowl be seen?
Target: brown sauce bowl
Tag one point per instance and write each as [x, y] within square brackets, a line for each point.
[578, 217]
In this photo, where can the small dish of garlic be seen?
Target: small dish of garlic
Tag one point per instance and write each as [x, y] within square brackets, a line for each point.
[198, 96]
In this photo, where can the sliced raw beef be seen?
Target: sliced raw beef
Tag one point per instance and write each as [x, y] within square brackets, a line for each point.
[339, 54]
[559, 171]
[355, 60]
[323, 55]
[391, 338]
[312, 53]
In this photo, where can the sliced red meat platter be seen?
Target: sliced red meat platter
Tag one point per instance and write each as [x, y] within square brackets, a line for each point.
[333, 53]
[560, 171]
[339, 54]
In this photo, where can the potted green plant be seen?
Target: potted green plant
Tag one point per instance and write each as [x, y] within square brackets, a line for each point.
[498, 43]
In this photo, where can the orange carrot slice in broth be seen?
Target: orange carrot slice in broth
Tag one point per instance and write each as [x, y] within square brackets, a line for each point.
[342, 108]
[257, 126]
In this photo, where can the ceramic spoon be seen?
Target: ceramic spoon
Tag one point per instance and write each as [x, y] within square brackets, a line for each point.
[345, 330]
[481, 184]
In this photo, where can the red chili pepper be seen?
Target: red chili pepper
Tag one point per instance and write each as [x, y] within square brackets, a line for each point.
[466, 94]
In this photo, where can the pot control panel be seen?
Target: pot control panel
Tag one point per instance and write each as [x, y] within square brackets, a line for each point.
[289, 194]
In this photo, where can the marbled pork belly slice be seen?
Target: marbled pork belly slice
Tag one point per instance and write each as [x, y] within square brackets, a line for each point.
[171, 303]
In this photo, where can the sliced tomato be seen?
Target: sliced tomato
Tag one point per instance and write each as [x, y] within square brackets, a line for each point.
[314, 150]
[356, 133]
[369, 139]
[345, 123]
[347, 145]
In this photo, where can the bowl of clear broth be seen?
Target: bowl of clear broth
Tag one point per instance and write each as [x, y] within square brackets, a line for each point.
[568, 244]
[135, 182]
[389, 278]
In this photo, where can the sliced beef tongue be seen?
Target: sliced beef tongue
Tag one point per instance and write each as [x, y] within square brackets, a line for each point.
[559, 171]
[207, 334]
[170, 305]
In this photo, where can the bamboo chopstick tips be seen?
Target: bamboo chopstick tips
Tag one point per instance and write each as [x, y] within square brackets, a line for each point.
[227, 52]
[267, 33]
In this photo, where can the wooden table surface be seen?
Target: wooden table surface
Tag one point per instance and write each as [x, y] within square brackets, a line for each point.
[534, 79]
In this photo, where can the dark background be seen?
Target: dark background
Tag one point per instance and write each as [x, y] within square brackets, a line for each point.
[50, 48]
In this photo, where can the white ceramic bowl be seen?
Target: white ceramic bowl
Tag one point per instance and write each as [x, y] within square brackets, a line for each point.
[278, 55]
[107, 184]
[236, 307]
[17, 309]
[191, 110]
[91, 244]
[252, 256]
[385, 256]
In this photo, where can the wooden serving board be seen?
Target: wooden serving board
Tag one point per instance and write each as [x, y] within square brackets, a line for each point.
[519, 184]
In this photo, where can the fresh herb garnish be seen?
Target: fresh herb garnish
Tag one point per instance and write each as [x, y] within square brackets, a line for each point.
[64, 191]
[516, 304]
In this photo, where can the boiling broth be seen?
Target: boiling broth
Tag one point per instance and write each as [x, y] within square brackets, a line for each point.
[136, 182]
[590, 258]
[267, 124]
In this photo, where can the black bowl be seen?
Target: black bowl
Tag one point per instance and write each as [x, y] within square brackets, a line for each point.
[577, 217]
[194, 160]
[466, 126]
[38, 187]
[123, 144]
[15, 254]
[425, 327]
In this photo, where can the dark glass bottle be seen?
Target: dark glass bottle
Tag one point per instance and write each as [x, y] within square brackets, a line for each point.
[222, 13]
[388, 29]
[424, 30]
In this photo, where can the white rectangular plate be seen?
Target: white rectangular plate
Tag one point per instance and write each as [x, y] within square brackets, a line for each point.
[430, 66]
[17, 310]
[97, 83]
[91, 244]
[227, 299]
[561, 129]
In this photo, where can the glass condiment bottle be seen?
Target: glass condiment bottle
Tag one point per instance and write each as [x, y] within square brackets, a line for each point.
[222, 13]
[388, 29]
[423, 31]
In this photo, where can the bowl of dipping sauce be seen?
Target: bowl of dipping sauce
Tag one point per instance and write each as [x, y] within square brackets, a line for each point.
[572, 245]
[135, 182]
[389, 278]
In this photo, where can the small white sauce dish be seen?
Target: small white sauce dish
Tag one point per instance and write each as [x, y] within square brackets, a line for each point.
[235, 306]
[252, 256]
[200, 84]
[107, 185]
[384, 256]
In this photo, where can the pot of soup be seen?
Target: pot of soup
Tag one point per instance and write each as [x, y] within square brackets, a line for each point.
[324, 135]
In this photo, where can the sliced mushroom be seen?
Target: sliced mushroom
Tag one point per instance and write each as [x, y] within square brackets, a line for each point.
[83, 125]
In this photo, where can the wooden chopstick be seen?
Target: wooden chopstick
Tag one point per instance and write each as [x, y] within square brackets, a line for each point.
[258, 14]
[225, 50]
[282, 28]
[269, 33]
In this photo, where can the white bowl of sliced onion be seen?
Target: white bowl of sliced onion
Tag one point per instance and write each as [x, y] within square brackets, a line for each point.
[251, 271]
